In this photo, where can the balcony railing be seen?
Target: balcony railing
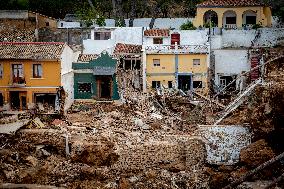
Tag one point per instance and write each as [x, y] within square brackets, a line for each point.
[231, 26]
[177, 49]
[19, 81]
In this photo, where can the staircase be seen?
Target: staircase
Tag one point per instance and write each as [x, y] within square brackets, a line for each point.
[238, 101]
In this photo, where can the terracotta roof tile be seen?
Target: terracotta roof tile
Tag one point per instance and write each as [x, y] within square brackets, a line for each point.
[87, 57]
[230, 3]
[17, 35]
[31, 50]
[157, 32]
[122, 48]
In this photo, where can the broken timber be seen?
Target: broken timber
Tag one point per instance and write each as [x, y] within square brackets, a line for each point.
[238, 101]
[247, 72]
[210, 100]
[254, 171]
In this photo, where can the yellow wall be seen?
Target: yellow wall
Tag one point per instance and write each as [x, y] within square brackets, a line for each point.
[51, 78]
[166, 71]
[263, 15]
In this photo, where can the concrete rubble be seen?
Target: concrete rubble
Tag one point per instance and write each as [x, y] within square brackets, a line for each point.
[147, 140]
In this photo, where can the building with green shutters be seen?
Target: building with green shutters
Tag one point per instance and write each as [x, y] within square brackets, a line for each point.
[96, 79]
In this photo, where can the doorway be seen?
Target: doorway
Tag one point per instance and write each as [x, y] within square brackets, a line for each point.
[18, 100]
[184, 82]
[104, 87]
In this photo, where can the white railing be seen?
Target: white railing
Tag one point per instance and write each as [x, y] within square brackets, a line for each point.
[231, 26]
[178, 49]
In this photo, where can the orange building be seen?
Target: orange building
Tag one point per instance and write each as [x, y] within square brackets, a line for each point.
[33, 72]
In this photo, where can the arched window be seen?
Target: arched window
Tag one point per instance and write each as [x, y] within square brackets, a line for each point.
[230, 20]
[249, 18]
[210, 16]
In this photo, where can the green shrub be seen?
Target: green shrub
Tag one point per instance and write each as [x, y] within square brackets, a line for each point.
[187, 26]
[256, 26]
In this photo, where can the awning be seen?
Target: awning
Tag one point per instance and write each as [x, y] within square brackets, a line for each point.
[101, 70]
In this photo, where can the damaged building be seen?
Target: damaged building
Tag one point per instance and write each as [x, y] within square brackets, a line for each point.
[105, 76]
[35, 73]
[96, 77]
[172, 62]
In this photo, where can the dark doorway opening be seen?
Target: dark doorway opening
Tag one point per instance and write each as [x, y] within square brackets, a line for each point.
[15, 100]
[184, 82]
[210, 16]
[226, 80]
[1, 99]
[104, 87]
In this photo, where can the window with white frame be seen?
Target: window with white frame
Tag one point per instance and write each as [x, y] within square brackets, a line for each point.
[196, 62]
[197, 84]
[156, 84]
[156, 62]
[37, 71]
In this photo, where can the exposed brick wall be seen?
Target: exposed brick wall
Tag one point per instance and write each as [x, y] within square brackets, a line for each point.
[180, 155]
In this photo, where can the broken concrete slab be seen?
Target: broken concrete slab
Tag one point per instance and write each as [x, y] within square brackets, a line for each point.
[11, 128]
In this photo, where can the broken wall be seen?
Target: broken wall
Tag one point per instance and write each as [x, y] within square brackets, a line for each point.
[230, 62]
[174, 155]
[262, 37]
[224, 142]
[74, 36]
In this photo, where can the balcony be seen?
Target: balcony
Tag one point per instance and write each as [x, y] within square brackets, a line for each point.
[177, 49]
[18, 81]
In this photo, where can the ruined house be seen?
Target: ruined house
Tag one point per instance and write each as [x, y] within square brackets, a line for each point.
[95, 77]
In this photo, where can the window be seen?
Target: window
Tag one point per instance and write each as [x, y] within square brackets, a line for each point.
[158, 40]
[156, 84]
[37, 71]
[250, 19]
[84, 87]
[18, 75]
[61, 24]
[156, 62]
[170, 84]
[102, 35]
[1, 71]
[197, 84]
[196, 62]
[46, 23]
[231, 20]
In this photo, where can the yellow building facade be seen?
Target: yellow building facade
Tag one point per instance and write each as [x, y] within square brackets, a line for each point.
[182, 71]
[28, 85]
[233, 14]
[30, 76]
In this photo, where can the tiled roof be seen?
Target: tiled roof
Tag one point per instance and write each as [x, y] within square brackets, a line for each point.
[157, 32]
[31, 50]
[17, 35]
[122, 48]
[87, 57]
[230, 3]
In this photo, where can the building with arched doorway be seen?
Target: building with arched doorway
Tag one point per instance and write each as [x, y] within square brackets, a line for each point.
[232, 14]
